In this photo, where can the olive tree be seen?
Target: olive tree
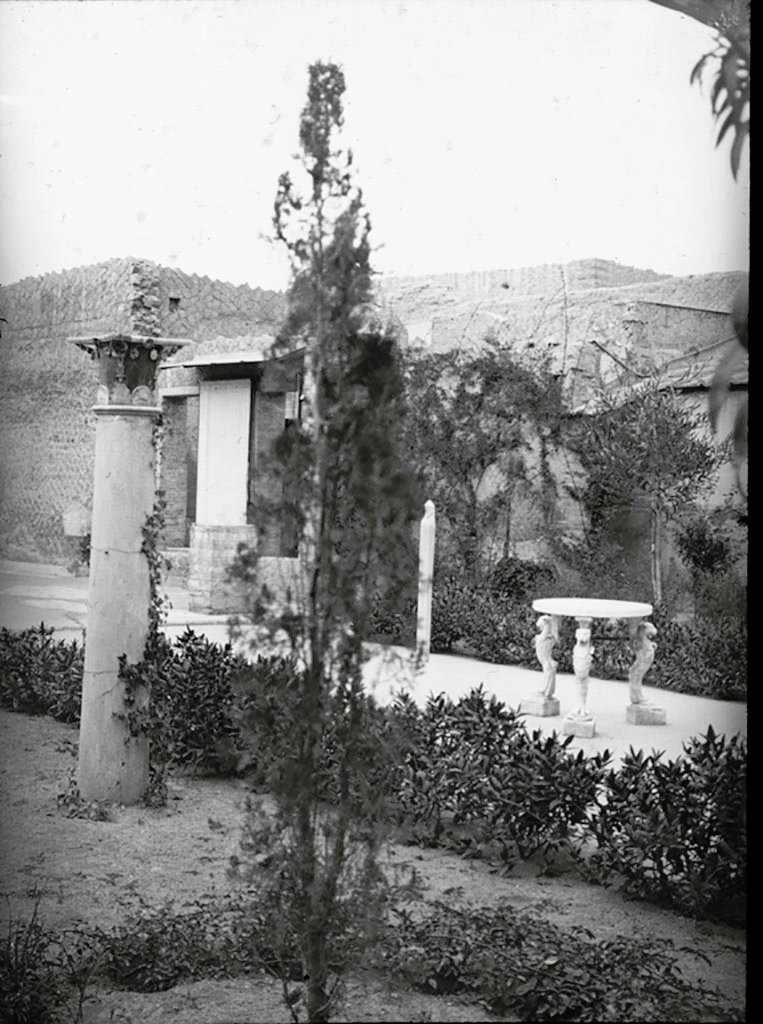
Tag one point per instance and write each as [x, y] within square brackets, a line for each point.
[646, 443]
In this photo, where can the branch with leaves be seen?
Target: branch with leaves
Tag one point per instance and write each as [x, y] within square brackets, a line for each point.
[730, 91]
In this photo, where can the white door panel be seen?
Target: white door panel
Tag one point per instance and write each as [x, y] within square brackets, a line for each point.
[224, 411]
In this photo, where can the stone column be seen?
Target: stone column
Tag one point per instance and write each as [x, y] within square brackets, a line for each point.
[113, 765]
[426, 574]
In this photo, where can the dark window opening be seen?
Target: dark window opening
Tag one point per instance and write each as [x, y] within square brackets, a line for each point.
[272, 497]
[174, 303]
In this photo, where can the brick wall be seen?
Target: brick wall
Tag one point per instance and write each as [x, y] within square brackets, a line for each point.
[47, 389]
[543, 279]
[174, 474]
[200, 308]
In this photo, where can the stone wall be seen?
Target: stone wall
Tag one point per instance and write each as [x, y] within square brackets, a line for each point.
[594, 339]
[544, 279]
[47, 386]
[599, 321]
[570, 311]
[599, 326]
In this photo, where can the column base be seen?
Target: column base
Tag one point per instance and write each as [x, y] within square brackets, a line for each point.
[585, 727]
[645, 714]
[540, 706]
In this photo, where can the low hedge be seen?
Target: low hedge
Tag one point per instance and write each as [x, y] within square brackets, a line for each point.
[523, 967]
[466, 774]
[706, 657]
[676, 831]
[472, 777]
[517, 966]
[210, 709]
[40, 675]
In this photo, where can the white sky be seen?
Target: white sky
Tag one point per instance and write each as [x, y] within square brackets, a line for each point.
[486, 133]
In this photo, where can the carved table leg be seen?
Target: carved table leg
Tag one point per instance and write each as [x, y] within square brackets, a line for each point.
[543, 703]
[580, 722]
[641, 711]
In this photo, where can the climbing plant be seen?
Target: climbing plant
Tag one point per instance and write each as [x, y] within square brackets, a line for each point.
[478, 425]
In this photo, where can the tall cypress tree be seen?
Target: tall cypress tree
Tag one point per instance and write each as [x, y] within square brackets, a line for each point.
[352, 502]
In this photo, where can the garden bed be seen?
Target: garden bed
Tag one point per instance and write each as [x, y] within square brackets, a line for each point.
[99, 871]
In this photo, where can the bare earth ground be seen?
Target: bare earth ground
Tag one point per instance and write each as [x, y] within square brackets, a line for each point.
[94, 871]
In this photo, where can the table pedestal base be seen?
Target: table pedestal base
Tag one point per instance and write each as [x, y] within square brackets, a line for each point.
[645, 714]
[540, 706]
[585, 727]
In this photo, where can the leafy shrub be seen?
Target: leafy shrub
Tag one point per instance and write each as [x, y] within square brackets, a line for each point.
[33, 986]
[520, 580]
[676, 830]
[705, 545]
[492, 628]
[265, 705]
[475, 763]
[189, 698]
[706, 657]
[393, 616]
[200, 693]
[40, 675]
[212, 710]
[529, 969]
[214, 937]
[721, 596]
[154, 950]
[712, 545]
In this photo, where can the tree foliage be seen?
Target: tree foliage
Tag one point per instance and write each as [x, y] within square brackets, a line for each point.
[648, 444]
[730, 102]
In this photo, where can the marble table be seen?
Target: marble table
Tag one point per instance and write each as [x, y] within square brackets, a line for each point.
[579, 721]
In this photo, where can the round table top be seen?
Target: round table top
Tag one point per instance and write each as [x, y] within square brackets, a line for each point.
[592, 608]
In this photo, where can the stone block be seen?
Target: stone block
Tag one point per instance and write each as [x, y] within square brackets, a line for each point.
[585, 727]
[180, 563]
[77, 520]
[212, 551]
[645, 714]
[542, 707]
